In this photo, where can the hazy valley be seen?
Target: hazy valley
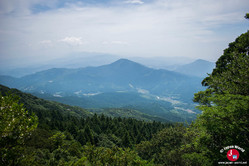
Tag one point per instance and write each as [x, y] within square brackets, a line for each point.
[123, 84]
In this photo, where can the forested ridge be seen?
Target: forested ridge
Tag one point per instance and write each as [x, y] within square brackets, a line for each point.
[49, 133]
[66, 124]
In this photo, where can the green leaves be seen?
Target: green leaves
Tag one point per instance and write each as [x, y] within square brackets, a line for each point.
[225, 104]
[224, 123]
[16, 125]
[231, 74]
[113, 156]
[164, 147]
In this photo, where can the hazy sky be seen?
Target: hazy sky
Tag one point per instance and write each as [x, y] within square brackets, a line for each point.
[37, 30]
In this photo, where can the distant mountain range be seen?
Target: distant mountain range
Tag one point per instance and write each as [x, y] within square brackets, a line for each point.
[74, 60]
[198, 68]
[122, 75]
[86, 59]
[122, 84]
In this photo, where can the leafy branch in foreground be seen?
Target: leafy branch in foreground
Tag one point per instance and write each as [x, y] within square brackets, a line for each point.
[224, 103]
[16, 125]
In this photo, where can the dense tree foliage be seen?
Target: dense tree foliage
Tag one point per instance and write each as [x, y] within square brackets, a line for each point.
[60, 148]
[225, 107]
[231, 72]
[73, 136]
[223, 122]
[66, 138]
[164, 147]
[16, 126]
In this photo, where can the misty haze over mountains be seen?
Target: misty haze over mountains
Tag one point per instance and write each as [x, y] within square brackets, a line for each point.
[80, 60]
[121, 84]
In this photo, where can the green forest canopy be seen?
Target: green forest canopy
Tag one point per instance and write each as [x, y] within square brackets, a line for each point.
[71, 136]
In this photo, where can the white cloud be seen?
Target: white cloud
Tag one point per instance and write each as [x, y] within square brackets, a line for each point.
[74, 41]
[134, 2]
[197, 29]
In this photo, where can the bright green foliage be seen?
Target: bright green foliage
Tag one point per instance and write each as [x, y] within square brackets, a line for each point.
[16, 125]
[224, 124]
[231, 74]
[164, 147]
[71, 136]
[191, 153]
[59, 148]
[225, 106]
[224, 120]
[108, 140]
[99, 130]
[62, 149]
[57, 139]
[177, 145]
[113, 156]
[43, 108]
[63, 138]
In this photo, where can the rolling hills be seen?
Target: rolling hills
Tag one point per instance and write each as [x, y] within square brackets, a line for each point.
[42, 107]
[122, 75]
[121, 84]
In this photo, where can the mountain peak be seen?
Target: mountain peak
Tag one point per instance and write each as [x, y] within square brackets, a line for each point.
[202, 61]
[197, 68]
[126, 63]
[123, 61]
[126, 66]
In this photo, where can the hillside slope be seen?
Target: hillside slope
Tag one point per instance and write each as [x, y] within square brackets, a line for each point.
[198, 68]
[38, 105]
[122, 75]
[122, 84]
